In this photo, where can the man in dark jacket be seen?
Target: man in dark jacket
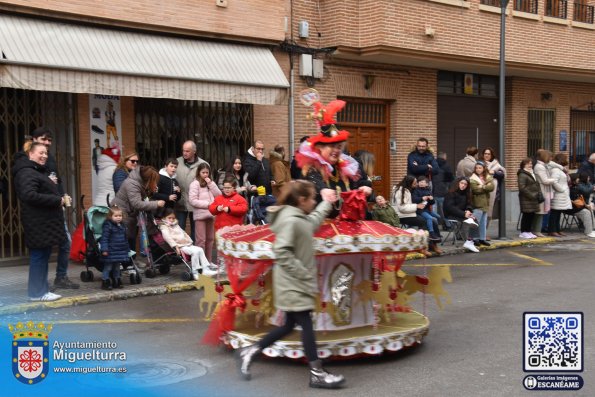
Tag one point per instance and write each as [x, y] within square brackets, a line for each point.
[41, 216]
[421, 161]
[44, 135]
[258, 167]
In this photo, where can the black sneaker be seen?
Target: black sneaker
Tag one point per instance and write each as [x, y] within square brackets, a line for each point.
[65, 283]
[483, 242]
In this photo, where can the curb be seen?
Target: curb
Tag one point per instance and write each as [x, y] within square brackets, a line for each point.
[189, 286]
[99, 298]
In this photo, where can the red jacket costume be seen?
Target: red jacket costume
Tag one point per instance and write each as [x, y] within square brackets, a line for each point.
[237, 210]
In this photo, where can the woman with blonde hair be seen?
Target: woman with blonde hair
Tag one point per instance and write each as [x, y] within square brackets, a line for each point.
[125, 166]
[496, 170]
[542, 174]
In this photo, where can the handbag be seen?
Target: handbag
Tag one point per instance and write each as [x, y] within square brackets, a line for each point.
[579, 202]
[540, 198]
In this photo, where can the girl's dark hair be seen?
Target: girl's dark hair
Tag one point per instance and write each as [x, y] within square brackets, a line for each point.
[201, 167]
[292, 191]
[112, 210]
[229, 168]
[525, 161]
[454, 188]
[406, 183]
[166, 212]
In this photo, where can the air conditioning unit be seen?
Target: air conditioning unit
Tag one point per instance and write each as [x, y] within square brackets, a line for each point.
[305, 65]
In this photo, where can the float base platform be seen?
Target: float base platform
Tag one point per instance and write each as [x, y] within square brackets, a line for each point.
[403, 329]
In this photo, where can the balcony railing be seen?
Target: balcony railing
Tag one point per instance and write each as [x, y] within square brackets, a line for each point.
[556, 8]
[583, 12]
[526, 6]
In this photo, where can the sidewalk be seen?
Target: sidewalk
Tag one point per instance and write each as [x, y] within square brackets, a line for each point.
[13, 280]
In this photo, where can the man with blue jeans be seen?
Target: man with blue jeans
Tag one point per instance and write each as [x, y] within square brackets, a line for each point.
[186, 173]
[44, 135]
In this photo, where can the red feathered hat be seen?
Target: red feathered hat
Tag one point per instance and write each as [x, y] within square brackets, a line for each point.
[325, 118]
[112, 152]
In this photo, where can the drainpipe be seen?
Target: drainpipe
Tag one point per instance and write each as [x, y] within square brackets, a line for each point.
[291, 110]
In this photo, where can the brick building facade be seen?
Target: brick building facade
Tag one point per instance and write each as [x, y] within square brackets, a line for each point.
[406, 61]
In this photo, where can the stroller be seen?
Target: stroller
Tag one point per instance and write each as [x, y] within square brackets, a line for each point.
[257, 213]
[93, 226]
[161, 256]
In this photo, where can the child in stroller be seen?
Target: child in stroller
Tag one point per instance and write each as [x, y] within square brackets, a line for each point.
[258, 206]
[181, 242]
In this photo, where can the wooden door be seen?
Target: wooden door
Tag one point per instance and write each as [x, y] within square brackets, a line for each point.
[367, 121]
[375, 141]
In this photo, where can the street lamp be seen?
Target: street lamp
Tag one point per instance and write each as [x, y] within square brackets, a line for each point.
[501, 111]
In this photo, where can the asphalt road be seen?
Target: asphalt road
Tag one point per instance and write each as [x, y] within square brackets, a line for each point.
[474, 347]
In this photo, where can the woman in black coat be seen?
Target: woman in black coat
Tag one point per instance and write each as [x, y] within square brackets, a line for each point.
[529, 189]
[41, 215]
[457, 206]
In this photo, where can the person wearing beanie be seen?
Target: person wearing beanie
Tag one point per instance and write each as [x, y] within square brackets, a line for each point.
[106, 165]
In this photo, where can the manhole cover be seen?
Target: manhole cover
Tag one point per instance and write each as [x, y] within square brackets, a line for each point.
[159, 373]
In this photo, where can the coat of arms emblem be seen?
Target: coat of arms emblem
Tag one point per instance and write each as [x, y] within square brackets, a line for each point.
[30, 351]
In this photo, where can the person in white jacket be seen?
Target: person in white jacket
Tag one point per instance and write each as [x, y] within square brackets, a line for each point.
[180, 241]
[561, 200]
[106, 165]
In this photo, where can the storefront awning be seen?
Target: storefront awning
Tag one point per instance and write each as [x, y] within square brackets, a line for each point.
[52, 56]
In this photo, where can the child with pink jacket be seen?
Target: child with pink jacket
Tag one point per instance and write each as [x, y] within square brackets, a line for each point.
[201, 194]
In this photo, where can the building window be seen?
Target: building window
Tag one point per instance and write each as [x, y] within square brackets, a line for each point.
[583, 12]
[526, 6]
[540, 132]
[582, 136]
[556, 8]
[220, 130]
[453, 83]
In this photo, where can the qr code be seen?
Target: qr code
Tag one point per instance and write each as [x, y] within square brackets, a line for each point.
[553, 342]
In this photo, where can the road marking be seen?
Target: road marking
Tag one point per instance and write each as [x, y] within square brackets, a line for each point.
[129, 320]
[532, 259]
[465, 264]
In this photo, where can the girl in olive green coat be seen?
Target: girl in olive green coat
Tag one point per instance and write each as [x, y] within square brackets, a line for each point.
[295, 281]
[481, 186]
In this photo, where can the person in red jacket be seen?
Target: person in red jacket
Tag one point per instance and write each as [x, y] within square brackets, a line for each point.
[230, 207]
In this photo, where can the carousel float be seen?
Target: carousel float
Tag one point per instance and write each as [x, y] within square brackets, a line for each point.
[363, 304]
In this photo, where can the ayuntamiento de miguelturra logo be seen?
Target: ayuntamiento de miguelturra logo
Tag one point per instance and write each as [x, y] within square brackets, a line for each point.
[30, 351]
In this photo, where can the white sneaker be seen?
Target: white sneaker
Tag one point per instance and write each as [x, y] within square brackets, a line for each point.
[195, 275]
[213, 266]
[48, 297]
[531, 235]
[592, 234]
[208, 272]
[470, 246]
[471, 222]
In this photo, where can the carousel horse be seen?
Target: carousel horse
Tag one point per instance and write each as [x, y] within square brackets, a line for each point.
[410, 284]
[211, 297]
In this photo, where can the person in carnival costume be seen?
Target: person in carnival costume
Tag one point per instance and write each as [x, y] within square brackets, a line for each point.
[321, 157]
